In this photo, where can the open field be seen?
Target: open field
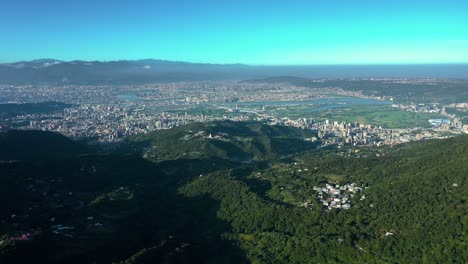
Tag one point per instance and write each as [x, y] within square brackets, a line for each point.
[383, 115]
[379, 115]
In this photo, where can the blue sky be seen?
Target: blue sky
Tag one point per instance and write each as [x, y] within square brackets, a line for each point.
[253, 32]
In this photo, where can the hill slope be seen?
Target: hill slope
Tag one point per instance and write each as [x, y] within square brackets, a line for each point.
[236, 141]
[11, 110]
[414, 210]
[37, 145]
[122, 208]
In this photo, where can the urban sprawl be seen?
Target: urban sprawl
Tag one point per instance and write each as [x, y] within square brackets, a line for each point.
[108, 114]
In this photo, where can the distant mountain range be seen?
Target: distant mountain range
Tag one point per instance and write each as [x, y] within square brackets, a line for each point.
[113, 72]
[52, 71]
[145, 64]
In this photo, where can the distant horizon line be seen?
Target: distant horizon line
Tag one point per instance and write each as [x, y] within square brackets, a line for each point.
[250, 64]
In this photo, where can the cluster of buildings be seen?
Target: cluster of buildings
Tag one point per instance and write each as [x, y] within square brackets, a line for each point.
[357, 134]
[190, 92]
[103, 123]
[337, 197]
[420, 108]
[108, 114]
[340, 133]
[109, 124]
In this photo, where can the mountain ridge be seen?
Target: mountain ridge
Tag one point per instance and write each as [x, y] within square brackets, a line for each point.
[51, 71]
[81, 72]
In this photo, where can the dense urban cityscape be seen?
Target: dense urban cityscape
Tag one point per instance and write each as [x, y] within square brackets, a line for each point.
[110, 114]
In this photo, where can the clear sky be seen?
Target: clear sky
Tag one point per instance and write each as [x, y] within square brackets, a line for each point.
[237, 31]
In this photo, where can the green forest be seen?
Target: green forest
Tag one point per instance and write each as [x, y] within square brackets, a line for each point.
[232, 192]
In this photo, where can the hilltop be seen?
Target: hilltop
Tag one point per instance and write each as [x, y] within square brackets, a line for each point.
[37, 145]
[11, 110]
[236, 141]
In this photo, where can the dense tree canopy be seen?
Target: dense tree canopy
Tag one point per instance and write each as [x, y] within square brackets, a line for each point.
[211, 208]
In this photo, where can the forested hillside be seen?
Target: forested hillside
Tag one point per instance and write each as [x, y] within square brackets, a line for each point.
[34, 145]
[406, 204]
[236, 141]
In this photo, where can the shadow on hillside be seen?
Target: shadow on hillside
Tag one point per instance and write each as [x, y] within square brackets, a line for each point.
[163, 226]
[261, 187]
[256, 185]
